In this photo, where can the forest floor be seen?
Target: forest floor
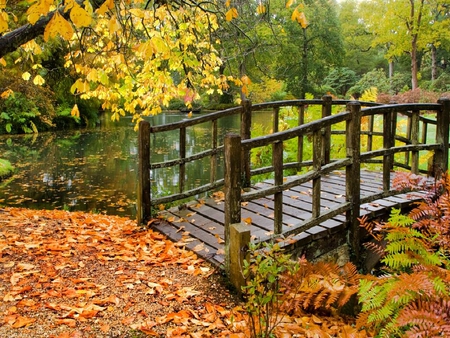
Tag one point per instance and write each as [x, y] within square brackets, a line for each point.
[70, 274]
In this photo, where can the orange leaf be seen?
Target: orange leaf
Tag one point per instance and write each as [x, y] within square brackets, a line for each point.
[248, 220]
[23, 321]
[105, 327]
[66, 321]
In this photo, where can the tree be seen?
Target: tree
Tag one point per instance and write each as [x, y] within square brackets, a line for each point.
[131, 55]
[406, 26]
[310, 48]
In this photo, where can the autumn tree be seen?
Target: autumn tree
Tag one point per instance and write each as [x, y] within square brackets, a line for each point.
[407, 26]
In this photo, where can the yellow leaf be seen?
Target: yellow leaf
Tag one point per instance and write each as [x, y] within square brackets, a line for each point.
[26, 76]
[79, 16]
[38, 80]
[75, 112]
[231, 14]
[246, 80]
[108, 4]
[261, 9]
[114, 25]
[2, 62]
[58, 25]
[39, 8]
[189, 115]
[3, 22]
[289, 3]
[227, 3]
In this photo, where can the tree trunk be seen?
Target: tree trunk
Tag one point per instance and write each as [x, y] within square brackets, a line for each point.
[414, 66]
[433, 63]
[304, 75]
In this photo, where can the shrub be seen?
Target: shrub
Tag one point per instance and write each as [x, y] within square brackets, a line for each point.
[412, 298]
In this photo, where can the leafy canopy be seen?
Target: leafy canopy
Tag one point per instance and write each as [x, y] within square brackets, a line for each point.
[132, 55]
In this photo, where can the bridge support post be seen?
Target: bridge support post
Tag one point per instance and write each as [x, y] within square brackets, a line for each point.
[232, 169]
[239, 245]
[353, 178]
[440, 161]
[246, 125]
[144, 209]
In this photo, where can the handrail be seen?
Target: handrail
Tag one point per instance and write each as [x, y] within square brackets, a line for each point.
[393, 144]
[354, 127]
[147, 202]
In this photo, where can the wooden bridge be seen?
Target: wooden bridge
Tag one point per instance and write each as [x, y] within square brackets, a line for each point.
[315, 200]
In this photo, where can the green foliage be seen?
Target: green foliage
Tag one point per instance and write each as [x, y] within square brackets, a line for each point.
[263, 299]
[340, 80]
[416, 260]
[279, 289]
[6, 169]
[376, 78]
[18, 115]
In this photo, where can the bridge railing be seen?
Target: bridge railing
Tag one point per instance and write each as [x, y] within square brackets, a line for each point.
[398, 126]
[148, 200]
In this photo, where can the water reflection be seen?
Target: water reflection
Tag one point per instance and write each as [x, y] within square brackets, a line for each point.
[96, 169]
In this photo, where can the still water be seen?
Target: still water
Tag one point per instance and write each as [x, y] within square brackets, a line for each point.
[96, 169]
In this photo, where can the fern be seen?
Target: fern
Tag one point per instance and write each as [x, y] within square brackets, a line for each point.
[414, 301]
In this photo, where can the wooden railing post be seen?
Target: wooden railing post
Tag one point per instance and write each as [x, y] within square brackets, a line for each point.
[232, 207]
[388, 143]
[353, 177]
[277, 159]
[301, 121]
[317, 166]
[414, 137]
[246, 125]
[144, 209]
[440, 163]
[326, 143]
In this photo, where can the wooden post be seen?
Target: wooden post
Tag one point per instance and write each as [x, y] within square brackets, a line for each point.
[246, 125]
[144, 209]
[414, 134]
[239, 244]
[353, 177]
[213, 159]
[317, 165]
[232, 207]
[326, 134]
[182, 167]
[277, 162]
[388, 142]
[440, 163]
[301, 121]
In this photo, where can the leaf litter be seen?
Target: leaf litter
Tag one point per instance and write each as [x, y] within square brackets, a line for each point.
[75, 274]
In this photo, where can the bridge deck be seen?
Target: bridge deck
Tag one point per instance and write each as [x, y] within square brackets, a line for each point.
[199, 225]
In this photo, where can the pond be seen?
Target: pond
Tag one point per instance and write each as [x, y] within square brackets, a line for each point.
[93, 170]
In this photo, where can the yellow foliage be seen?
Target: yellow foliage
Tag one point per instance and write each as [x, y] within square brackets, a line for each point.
[370, 95]
[26, 76]
[38, 80]
[3, 19]
[58, 26]
[37, 9]
[75, 112]
[79, 16]
[231, 14]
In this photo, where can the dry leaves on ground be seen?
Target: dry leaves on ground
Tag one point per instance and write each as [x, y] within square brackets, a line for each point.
[83, 275]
